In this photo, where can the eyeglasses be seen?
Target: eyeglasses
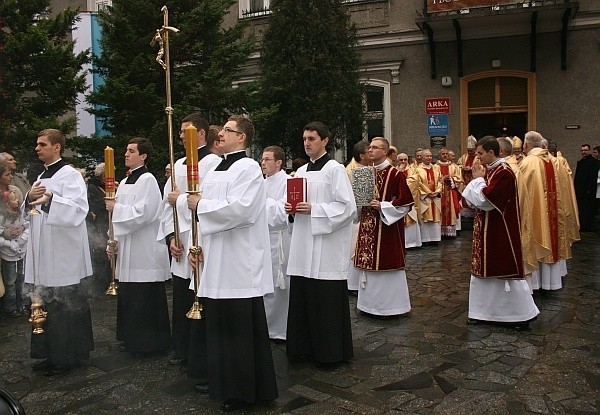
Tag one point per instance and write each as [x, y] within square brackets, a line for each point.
[376, 148]
[266, 159]
[230, 130]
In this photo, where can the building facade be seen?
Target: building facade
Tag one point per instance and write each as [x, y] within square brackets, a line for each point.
[437, 71]
[501, 66]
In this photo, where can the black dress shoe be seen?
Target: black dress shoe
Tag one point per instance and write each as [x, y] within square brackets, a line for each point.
[14, 313]
[201, 388]
[524, 326]
[39, 366]
[232, 404]
[177, 361]
[54, 370]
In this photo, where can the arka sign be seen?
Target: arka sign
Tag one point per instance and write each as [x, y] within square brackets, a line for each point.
[437, 105]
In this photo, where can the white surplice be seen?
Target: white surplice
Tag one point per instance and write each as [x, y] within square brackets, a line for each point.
[181, 268]
[276, 303]
[321, 240]
[136, 218]
[235, 237]
[58, 240]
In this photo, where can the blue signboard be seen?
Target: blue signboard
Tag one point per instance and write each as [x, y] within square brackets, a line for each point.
[437, 124]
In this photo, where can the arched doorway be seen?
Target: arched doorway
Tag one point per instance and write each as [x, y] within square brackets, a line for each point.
[496, 103]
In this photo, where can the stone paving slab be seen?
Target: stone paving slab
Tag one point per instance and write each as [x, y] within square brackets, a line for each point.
[426, 362]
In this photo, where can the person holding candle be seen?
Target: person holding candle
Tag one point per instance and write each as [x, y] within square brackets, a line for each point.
[236, 274]
[58, 247]
[142, 262]
[183, 296]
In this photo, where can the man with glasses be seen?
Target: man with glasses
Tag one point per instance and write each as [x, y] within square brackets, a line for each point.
[380, 253]
[277, 302]
[319, 313]
[402, 162]
[236, 272]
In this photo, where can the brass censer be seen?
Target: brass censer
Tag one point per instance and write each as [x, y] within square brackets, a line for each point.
[38, 316]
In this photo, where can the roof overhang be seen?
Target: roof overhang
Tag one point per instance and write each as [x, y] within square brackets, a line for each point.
[515, 18]
[498, 20]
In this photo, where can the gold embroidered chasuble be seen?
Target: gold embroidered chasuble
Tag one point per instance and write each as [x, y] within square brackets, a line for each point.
[429, 180]
[546, 225]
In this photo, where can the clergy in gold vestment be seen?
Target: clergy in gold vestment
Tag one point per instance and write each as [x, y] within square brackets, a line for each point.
[450, 198]
[466, 162]
[506, 149]
[429, 184]
[572, 212]
[412, 231]
[545, 222]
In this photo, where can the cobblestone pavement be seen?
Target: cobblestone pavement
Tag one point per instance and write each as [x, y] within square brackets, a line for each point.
[427, 362]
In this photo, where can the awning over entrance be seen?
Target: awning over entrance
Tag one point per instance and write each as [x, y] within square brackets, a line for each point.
[495, 20]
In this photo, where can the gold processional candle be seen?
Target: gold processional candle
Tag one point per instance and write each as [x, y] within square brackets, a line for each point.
[109, 171]
[191, 157]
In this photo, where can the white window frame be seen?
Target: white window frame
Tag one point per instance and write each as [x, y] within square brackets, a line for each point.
[96, 5]
[387, 105]
[244, 9]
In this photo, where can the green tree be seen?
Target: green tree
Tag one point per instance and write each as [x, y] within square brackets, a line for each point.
[204, 59]
[309, 72]
[40, 76]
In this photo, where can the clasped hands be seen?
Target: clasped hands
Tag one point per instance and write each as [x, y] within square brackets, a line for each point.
[478, 170]
[39, 195]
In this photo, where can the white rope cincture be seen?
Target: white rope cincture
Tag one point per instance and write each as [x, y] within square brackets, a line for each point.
[280, 280]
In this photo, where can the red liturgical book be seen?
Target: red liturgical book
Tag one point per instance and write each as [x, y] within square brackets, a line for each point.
[296, 191]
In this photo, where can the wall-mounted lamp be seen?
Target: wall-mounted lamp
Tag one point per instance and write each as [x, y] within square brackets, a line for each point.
[446, 81]
[496, 63]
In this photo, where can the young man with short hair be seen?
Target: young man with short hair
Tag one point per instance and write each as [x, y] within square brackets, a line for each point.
[319, 314]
